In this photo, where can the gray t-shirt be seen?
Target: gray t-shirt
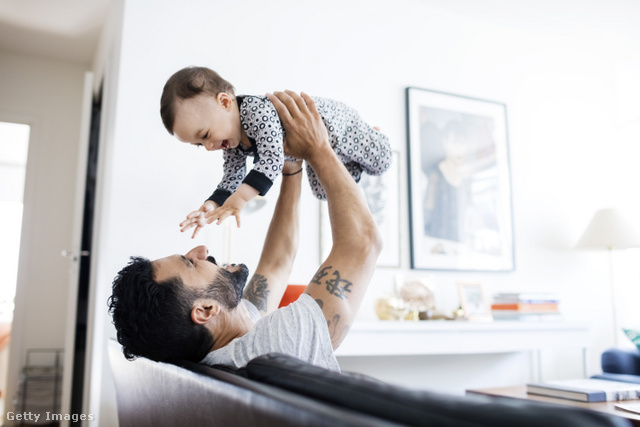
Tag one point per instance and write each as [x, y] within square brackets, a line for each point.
[299, 330]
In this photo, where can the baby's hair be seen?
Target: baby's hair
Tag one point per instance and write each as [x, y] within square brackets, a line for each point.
[188, 83]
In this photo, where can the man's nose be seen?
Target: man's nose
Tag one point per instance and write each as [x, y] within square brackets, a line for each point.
[199, 252]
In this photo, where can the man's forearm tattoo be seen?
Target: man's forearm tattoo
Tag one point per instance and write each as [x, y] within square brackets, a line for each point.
[317, 279]
[257, 291]
[335, 285]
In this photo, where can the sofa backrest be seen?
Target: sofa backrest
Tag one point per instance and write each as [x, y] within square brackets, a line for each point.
[157, 394]
[417, 407]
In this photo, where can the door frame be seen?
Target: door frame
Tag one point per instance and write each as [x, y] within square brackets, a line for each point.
[75, 250]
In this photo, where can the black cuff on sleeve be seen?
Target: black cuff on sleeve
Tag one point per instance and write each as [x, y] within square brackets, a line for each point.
[259, 181]
[219, 196]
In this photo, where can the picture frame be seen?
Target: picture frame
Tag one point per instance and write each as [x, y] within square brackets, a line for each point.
[382, 194]
[459, 183]
[473, 302]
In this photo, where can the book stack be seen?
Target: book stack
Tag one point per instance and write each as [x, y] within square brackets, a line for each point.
[526, 306]
[587, 390]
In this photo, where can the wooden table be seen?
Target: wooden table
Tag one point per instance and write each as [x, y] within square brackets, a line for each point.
[520, 392]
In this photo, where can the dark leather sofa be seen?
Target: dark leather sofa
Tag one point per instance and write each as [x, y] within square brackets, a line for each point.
[278, 390]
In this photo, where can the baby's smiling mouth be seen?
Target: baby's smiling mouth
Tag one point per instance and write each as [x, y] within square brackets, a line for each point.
[225, 144]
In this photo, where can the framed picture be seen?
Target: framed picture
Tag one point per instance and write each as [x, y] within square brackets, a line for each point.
[473, 303]
[459, 183]
[383, 197]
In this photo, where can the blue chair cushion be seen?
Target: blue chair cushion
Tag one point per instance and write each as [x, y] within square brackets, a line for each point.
[621, 361]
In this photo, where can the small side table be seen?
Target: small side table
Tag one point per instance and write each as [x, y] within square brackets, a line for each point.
[520, 392]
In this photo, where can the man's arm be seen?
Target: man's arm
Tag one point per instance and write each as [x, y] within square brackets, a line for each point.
[341, 281]
[266, 287]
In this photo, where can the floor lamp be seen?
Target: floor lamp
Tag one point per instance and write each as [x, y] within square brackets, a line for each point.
[609, 230]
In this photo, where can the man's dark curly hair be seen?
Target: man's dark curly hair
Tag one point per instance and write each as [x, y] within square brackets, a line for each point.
[153, 319]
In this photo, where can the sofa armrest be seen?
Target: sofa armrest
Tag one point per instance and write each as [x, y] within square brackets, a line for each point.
[621, 361]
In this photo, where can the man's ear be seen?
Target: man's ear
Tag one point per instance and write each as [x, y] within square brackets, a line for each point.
[204, 310]
[225, 100]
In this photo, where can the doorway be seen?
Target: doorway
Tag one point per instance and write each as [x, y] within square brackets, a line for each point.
[14, 147]
[84, 278]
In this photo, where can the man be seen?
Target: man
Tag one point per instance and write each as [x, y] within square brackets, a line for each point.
[188, 307]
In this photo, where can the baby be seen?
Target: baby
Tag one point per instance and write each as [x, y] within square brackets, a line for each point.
[200, 108]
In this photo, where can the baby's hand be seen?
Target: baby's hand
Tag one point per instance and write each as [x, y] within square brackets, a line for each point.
[233, 206]
[197, 218]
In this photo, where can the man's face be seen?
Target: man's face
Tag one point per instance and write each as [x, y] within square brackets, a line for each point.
[199, 271]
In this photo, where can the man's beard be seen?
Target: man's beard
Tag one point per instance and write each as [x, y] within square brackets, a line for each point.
[229, 286]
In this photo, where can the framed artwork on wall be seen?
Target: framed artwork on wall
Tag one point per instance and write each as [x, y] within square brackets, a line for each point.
[383, 198]
[459, 183]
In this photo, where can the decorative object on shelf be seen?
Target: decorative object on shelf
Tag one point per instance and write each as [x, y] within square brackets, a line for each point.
[382, 194]
[459, 183]
[458, 314]
[412, 298]
[391, 307]
[473, 302]
[526, 306]
[610, 230]
[417, 294]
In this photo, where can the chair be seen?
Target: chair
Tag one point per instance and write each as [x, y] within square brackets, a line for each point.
[620, 364]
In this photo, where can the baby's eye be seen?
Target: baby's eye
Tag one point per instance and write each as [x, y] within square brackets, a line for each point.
[206, 135]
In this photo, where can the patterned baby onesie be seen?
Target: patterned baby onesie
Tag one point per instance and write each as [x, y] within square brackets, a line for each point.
[358, 146]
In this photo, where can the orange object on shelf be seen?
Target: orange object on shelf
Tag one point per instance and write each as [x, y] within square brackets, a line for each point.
[525, 307]
[291, 294]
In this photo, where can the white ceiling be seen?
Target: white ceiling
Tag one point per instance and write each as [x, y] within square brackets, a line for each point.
[69, 29]
[57, 29]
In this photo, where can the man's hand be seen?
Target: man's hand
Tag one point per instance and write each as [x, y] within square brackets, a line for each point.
[197, 218]
[306, 133]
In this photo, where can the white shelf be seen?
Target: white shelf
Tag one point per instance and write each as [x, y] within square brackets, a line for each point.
[396, 338]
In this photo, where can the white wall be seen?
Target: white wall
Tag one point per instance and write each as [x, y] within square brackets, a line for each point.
[570, 91]
[47, 95]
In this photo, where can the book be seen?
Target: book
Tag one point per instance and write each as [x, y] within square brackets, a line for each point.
[526, 317]
[586, 390]
[526, 307]
[530, 297]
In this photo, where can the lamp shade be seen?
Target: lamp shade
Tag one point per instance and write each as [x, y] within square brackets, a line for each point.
[608, 229]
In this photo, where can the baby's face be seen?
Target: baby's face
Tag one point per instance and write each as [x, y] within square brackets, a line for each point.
[208, 121]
